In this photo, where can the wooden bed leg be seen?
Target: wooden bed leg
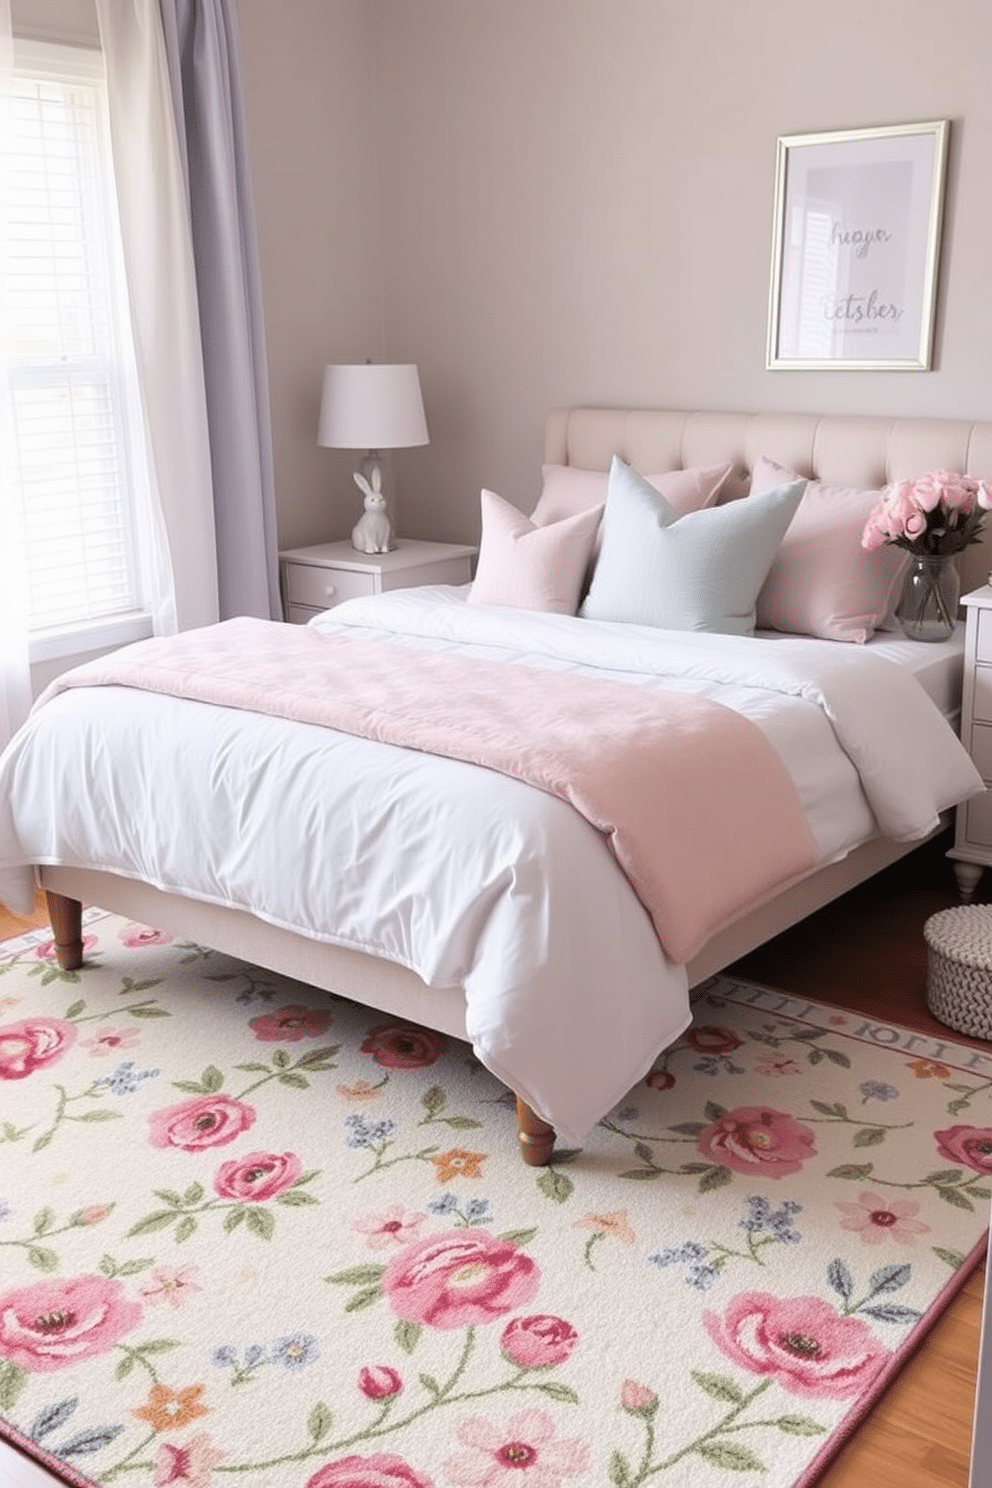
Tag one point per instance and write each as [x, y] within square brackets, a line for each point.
[66, 916]
[536, 1137]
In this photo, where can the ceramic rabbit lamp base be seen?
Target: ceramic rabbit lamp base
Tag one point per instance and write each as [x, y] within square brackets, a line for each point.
[372, 532]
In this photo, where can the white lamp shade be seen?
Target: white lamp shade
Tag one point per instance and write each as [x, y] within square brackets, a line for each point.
[371, 406]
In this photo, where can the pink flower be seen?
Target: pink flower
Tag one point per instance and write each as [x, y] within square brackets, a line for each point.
[49, 951]
[190, 1464]
[710, 1039]
[378, 1381]
[141, 935]
[170, 1284]
[875, 1219]
[755, 1139]
[204, 1121]
[290, 1023]
[538, 1341]
[459, 1279]
[804, 1342]
[526, 1443]
[381, 1471]
[111, 1040]
[54, 1324]
[258, 1176]
[971, 1145]
[32, 1044]
[394, 1226]
[637, 1399]
[940, 512]
[401, 1046]
[659, 1080]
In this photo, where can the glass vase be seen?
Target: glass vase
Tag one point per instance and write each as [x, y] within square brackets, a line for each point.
[928, 606]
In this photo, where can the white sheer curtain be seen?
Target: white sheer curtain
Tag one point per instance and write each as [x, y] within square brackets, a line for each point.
[162, 291]
[15, 679]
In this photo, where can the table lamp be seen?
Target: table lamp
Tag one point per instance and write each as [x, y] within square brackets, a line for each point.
[372, 406]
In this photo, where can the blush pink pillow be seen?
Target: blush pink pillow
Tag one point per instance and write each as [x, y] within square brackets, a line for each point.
[529, 567]
[568, 490]
[822, 582]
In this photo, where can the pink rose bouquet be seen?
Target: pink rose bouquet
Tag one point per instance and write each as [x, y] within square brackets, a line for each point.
[942, 512]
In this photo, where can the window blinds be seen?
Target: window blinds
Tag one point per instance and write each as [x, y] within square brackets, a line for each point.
[70, 453]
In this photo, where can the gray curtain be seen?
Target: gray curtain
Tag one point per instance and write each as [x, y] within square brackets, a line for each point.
[202, 46]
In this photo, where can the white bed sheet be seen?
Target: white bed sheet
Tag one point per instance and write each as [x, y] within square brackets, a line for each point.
[467, 877]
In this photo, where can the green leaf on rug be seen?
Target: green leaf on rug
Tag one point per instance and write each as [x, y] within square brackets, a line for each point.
[719, 1387]
[319, 1421]
[800, 1426]
[12, 1382]
[732, 1456]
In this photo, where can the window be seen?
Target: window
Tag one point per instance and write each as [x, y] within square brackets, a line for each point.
[77, 455]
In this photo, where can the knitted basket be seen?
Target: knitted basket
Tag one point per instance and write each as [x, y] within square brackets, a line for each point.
[959, 968]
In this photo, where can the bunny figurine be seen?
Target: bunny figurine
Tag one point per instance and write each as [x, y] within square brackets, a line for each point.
[371, 532]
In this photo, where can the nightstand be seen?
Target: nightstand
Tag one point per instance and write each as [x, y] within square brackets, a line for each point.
[972, 848]
[317, 578]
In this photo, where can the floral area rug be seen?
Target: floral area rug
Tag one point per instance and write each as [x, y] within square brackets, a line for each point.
[254, 1234]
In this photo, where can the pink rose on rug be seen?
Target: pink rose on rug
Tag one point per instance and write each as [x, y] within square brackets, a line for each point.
[381, 1471]
[290, 1023]
[401, 1046]
[659, 1080]
[709, 1039]
[53, 1324]
[971, 1145]
[755, 1139]
[528, 1442]
[48, 950]
[810, 1348]
[459, 1279]
[31, 1044]
[204, 1121]
[136, 936]
[259, 1176]
[538, 1341]
[190, 1464]
[378, 1382]
[875, 1219]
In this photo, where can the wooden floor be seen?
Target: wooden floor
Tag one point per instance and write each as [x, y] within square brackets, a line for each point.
[865, 952]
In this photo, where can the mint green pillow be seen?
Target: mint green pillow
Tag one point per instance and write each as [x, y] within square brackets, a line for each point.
[701, 571]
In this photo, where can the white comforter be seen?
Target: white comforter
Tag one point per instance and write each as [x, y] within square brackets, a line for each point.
[467, 877]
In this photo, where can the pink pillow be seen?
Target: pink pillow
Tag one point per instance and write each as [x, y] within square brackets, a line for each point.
[822, 582]
[529, 567]
[568, 490]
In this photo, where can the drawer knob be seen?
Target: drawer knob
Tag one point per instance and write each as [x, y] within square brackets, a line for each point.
[329, 590]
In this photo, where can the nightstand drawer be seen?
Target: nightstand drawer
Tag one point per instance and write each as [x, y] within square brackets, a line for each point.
[981, 749]
[983, 638]
[320, 588]
[981, 704]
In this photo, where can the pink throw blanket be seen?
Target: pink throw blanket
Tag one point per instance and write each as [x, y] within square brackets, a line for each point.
[698, 807]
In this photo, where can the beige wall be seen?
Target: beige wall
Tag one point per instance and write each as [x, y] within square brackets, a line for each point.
[576, 201]
[311, 103]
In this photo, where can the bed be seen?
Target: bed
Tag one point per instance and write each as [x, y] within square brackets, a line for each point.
[548, 961]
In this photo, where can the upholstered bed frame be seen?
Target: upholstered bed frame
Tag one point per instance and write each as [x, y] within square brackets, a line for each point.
[844, 450]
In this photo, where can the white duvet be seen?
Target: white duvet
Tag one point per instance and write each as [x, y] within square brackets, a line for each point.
[463, 875]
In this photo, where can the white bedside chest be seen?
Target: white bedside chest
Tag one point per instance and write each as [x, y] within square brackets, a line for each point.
[317, 578]
[972, 850]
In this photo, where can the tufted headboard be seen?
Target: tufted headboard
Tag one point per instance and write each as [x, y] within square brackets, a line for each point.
[844, 449]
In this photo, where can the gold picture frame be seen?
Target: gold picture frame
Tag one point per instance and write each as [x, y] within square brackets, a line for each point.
[855, 248]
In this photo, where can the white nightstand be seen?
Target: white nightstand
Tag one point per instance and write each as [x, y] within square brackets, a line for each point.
[317, 578]
[972, 848]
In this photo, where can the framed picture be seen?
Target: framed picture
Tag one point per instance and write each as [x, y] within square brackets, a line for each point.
[855, 248]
